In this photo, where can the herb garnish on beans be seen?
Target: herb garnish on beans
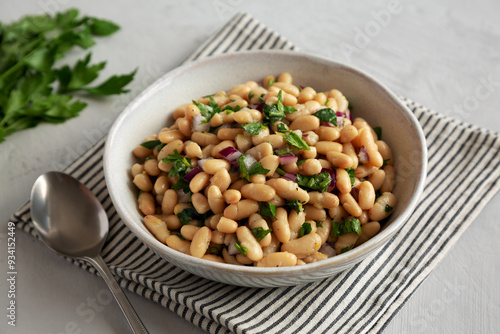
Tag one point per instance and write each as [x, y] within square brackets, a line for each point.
[265, 175]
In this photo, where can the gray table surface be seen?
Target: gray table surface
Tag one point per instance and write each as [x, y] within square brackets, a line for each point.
[445, 55]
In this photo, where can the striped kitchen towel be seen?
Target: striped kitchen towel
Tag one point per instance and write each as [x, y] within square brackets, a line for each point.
[463, 175]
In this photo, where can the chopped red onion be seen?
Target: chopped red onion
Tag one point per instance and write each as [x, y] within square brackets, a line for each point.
[182, 197]
[202, 161]
[290, 176]
[333, 177]
[339, 114]
[257, 106]
[327, 124]
[197, 124]
[230, 154]
[327, 250]
[249, 161]
[189, 176]
[355, 193]
[305, 135]
[340, 121]
[348, 114]
[288, 158]
[363, 155]
[231, 248]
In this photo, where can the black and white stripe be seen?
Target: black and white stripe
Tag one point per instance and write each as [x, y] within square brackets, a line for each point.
[463, 160]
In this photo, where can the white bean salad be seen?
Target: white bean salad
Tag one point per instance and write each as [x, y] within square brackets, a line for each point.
[266, 175]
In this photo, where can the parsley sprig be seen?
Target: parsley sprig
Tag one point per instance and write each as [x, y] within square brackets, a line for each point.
[180, 164]
[208, 110]
[293, 138]
[29, 50]
[256, 168]
[353, 225]
[318, 182]
[259, 233]
[276, 112]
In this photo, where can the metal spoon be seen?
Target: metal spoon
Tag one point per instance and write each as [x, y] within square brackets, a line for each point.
[72, 222]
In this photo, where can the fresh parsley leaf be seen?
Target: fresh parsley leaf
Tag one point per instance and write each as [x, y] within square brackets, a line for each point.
[259, 233]
[385, 162]
[271, 82]
[295, 205]
[388, 208]
[243, 168]
[268, 210]
[180, 164]
[186, 215]
[250, 95]
[29, 50]
[151, 144]
[301, 161]
[353, 225]
[285, 151]
[345, 249]
[295, 140]
[318, 224]
[228, 109]
[276, 112]
[305, 229]
[280, 171]
[181, 184]
[378, 131]
[318, 182]
[282, 128]
[352, 176]
[240, 248]
[326, 115]
[208, 110]
[253, 128]
[257, 169]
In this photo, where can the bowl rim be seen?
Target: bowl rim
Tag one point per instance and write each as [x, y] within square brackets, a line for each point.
[354, 254]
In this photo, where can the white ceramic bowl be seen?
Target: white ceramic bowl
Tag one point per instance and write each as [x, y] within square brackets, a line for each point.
[369, 99]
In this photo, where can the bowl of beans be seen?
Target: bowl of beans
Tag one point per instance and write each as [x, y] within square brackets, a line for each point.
[265, 168]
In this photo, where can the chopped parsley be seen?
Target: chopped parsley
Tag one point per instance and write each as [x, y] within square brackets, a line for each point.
[253, 128]
[352, 176]
[295, 205]
[259, 233]
[151, 144]
[181, 184]
[385, 162]
[353, 225]
[180, 164]
[271, 82]
[280, 171]
[250, 95]
[293, 138]
[267, 210]
[300, 162]
[378, 131]
[315, 182]
[256, 168]
[188, 214]
[208, 110]
[285, 151]
[240, 248]
[228, 109]
[305, 229]
[326, 115]
[388, 208]
[318, 224]
[276, 112]
[345, 249]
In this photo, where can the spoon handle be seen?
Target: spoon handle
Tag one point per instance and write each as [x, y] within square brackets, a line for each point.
[129, 312]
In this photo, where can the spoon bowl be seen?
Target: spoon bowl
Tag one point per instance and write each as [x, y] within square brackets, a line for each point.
[75, 230]
[71, 221]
